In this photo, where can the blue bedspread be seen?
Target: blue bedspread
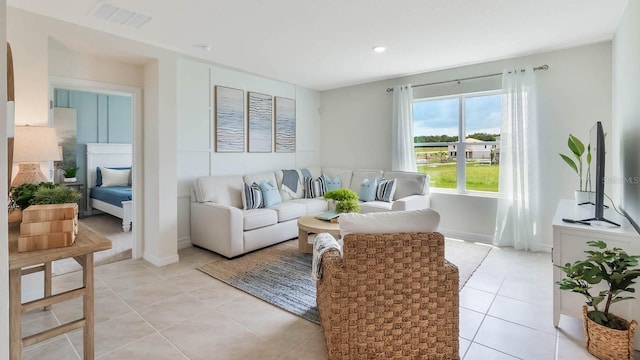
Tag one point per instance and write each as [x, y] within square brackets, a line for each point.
[114, 195]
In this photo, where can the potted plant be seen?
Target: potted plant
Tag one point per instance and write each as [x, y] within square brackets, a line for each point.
[55, 195]
[70, 172]
[577, 148]
[608, 336]
[346, 200]
[24, 195]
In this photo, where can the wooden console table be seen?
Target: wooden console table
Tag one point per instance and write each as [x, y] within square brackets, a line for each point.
[87, 242]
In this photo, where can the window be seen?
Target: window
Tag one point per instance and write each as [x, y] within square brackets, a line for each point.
[457, 140]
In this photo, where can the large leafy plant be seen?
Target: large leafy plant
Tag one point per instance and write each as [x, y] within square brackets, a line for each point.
[346, 200]
[613, 266]
[55, 195]
[577, 149]
[21, 196]
[27, 194]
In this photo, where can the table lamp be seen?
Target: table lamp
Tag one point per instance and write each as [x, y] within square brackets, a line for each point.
[33, 145]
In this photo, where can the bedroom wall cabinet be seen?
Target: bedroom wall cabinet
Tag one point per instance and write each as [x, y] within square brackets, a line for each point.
[82, 202]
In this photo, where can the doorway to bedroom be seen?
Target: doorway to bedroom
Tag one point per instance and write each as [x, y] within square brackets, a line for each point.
[96, 125]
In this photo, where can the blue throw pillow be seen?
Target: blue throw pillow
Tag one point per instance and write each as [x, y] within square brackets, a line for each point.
[368, 189]
[332, 184]
[270, 194]
[251, 196]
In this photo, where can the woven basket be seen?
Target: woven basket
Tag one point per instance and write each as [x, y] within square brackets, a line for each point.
[609, 344]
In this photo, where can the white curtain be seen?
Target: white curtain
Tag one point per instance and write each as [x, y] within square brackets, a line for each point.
[518, 216]
[402, 154]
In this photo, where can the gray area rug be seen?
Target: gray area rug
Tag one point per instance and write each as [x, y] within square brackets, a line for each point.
[281, 276]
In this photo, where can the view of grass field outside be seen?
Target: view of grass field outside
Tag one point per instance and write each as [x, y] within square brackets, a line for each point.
[437, 125]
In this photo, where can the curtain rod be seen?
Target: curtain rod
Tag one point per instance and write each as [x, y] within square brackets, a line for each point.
[543, 67]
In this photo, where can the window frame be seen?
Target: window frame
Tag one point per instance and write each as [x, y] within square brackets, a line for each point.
[461, 183]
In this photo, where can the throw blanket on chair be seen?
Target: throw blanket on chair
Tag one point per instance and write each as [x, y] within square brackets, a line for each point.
[322, 243]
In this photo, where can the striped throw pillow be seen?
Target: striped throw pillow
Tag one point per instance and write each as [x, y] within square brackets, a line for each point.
[386, 189]
[314, 188]
[251, 196]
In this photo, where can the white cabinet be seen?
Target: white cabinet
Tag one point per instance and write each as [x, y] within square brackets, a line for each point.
[569, 244]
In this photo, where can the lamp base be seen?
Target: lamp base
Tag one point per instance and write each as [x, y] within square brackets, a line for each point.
[28, 173]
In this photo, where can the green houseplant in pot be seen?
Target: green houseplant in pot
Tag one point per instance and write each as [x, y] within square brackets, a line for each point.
[70, 172]
[577, 148]
[346, 200]
[608, 336]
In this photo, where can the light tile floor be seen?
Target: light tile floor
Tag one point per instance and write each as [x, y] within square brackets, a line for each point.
[176, 312]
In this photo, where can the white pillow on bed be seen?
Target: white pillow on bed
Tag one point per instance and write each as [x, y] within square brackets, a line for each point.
[114, 177]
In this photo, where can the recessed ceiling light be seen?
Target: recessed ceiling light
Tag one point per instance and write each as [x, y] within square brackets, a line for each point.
[379, 49]
[204, 47]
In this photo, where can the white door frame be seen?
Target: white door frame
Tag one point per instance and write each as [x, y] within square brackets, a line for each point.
[137, 176]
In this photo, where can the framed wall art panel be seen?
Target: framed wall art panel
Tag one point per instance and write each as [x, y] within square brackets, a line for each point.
[260, 111]
[229, 119]
[285, 128]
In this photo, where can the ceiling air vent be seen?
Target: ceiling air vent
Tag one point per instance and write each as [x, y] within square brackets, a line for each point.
[118, 15]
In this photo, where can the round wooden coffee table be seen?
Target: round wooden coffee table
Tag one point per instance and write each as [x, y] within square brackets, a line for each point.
[310, 225]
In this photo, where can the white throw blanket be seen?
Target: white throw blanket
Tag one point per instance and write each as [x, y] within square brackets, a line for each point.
[322, 243]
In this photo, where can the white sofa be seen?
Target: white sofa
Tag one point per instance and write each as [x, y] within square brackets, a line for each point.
[220, 224]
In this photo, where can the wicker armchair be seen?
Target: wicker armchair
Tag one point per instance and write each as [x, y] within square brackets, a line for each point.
[390, 296]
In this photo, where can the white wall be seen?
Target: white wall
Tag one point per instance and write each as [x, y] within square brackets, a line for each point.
[573, 94]
[196, 148]
[626, 109]
[65, 62]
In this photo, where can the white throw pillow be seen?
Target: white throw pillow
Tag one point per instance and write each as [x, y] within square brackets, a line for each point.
[113, 177]
[423, 220]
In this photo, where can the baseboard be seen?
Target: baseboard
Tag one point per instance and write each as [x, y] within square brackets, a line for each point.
[184, 243]
[161, 261]
[486, 239]
[454, 234]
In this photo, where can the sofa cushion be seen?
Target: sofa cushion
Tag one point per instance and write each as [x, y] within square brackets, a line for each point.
[225, 190]
[313, 206]
[314, 187]
[314, 171]
[270, 193]
[386, 189]
[332, 183]
[344, 174]
[257, 178]
[409, 183]
[424, 220]
[257, 218]
[359, 176]
[367, 191]
[375, 206]
[251, 196]
[289, 210]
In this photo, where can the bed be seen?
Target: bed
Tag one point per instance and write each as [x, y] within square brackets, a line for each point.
[108, 191]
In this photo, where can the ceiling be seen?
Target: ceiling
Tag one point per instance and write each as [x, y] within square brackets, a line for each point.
[326, 44]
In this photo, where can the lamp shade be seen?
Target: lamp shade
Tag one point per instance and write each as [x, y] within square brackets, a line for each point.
[35, 144]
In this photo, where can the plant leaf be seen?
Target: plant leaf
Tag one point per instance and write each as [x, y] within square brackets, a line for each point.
[570, 162]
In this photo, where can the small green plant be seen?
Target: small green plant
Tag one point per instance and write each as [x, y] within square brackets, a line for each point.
[70, 171]
[577, 149]
[55, 195]
[346, 200]
[615, 267]
[21, 196]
